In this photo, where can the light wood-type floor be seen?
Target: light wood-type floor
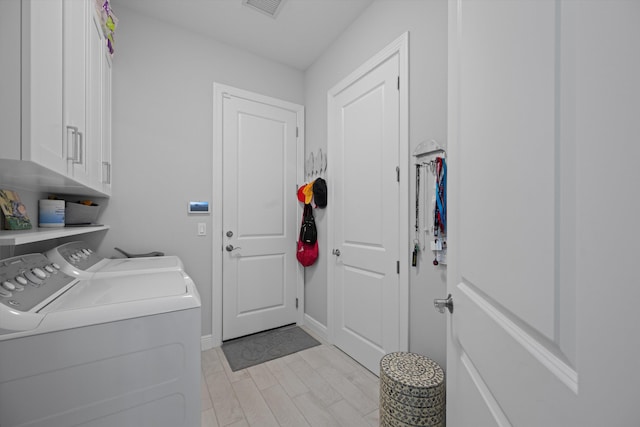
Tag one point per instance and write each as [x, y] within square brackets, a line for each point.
[320, 386]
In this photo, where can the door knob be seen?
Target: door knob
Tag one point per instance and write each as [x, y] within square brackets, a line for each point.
[336, 252]
[230, 248]
[229, 233]
[441, 304]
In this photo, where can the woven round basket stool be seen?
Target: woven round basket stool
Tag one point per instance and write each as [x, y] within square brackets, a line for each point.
[411, 391]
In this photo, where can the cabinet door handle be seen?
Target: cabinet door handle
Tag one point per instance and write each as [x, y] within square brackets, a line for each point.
[106, 171]
[74, 143]
[80, 151]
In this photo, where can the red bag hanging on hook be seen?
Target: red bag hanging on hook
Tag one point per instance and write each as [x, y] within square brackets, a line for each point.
[307, 253]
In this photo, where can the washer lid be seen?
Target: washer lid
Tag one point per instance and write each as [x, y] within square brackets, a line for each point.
[120, 265]
[121, 289]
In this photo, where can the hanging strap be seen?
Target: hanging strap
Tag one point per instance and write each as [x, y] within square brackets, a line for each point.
[305, 213]
[417, 200]
[441, 193]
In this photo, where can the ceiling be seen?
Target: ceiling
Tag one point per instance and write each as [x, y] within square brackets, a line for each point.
[300, 33]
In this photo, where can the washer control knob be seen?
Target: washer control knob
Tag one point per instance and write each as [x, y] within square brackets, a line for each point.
[49, 269]
[87, 251]
[9, 286]
[4, 293]
[56, 266]
[33, 278]
[40, 274]
[21, 280]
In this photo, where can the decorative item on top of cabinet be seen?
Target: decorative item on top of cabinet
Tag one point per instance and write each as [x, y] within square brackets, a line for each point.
[108, 21]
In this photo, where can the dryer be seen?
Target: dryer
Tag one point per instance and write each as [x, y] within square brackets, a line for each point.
[77, 259]
[103, 352]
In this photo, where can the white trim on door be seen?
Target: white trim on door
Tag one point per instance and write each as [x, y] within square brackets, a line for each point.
[400, 46]
[219, 92]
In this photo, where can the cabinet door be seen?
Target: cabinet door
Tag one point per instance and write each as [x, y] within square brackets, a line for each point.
[94, 108]
[43, 137]
[10, 82]
[76, 14]
[99, 111]
[106, 121]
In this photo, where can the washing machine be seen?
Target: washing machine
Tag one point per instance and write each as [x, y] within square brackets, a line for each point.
[79, 260]
[101, 352]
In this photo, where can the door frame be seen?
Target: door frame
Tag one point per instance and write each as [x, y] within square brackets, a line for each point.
[219, 92]
[399, 46]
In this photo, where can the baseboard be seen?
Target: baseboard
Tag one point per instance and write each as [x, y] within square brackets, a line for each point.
[316, 327]
[206, 342]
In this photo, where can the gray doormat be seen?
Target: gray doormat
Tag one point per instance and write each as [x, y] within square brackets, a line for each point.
[251, 350]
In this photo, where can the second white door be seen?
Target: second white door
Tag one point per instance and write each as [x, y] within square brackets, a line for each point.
[364, 125]
[259, 214]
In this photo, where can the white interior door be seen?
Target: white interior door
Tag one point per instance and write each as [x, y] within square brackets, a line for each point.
[541, 99]
[365, 132]
[259, 215]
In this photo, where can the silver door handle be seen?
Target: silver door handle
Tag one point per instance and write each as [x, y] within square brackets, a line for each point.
[336, 252]
[441, 304]
[230, 248]
[106, 172]
[80, 160]
[74, 144]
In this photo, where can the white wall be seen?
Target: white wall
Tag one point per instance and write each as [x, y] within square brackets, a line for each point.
[380, 24]
[162, 137]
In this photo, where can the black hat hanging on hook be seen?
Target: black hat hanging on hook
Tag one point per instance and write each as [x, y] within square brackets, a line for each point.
[320, 193]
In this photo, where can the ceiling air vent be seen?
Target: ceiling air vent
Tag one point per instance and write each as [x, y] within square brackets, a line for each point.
[268, 7]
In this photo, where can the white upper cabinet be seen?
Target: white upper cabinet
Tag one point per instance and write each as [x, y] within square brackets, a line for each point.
[43, 140]
[75, 73]
[99, 109]
[105, 179]
[60, 144]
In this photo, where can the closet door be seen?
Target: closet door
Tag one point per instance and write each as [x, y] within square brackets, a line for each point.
[366, 292]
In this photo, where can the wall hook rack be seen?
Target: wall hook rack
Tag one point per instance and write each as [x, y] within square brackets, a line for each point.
[315, 165]
[427, 148]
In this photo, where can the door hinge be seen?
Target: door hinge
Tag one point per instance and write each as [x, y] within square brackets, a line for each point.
[398, 173]
[398, 82]
[398, 267]
[296, 302]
